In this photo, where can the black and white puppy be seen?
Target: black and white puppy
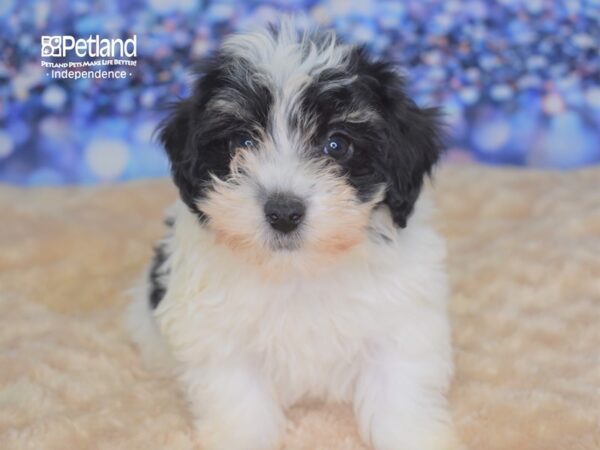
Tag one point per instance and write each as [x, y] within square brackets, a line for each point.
[299, 261]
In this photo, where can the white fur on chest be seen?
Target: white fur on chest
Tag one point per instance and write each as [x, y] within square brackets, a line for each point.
[309, 336]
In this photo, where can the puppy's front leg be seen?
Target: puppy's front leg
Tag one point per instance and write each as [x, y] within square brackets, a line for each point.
[401, 405]
[233, 407]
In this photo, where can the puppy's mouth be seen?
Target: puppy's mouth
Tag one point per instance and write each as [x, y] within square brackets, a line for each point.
[284, 242]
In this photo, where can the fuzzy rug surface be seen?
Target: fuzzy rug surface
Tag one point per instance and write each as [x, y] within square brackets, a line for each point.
[524, 260]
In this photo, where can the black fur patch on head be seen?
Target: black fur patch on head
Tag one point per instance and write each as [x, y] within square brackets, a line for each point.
[197, 133]
[396, 145]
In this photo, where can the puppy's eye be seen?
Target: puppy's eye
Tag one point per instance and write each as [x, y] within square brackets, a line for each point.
[338, 146]
[247, 142]
[243, 141]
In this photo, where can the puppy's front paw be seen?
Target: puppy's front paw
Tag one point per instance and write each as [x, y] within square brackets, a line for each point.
[407, 417]
[233, 407]
[230, 431]
[389, 434]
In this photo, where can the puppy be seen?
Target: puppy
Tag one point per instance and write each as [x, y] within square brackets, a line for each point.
[299, 262]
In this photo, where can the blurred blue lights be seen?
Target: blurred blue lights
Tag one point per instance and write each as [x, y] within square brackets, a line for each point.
[518, 79]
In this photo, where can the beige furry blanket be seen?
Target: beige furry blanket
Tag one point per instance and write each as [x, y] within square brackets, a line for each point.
[524, 259]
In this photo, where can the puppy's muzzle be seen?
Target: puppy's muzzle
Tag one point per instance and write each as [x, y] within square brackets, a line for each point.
[284, 212]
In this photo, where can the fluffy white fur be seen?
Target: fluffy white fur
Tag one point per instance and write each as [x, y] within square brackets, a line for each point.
[372, 330]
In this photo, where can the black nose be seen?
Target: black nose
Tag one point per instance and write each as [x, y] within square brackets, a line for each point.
[284, 212]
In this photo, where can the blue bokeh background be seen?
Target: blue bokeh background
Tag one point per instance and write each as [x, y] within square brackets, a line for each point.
[519, 79]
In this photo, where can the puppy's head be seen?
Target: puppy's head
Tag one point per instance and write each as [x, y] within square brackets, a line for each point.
[291, 139]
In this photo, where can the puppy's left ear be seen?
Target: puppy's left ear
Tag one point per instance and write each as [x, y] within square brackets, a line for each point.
[414, 143]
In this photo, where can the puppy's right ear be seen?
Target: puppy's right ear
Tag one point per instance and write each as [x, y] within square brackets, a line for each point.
[174, 133]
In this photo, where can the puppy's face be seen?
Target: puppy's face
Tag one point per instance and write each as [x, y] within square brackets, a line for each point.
[289, 141]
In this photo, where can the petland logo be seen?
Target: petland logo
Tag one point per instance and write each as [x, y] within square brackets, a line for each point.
[93, 46]
[81, 58]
